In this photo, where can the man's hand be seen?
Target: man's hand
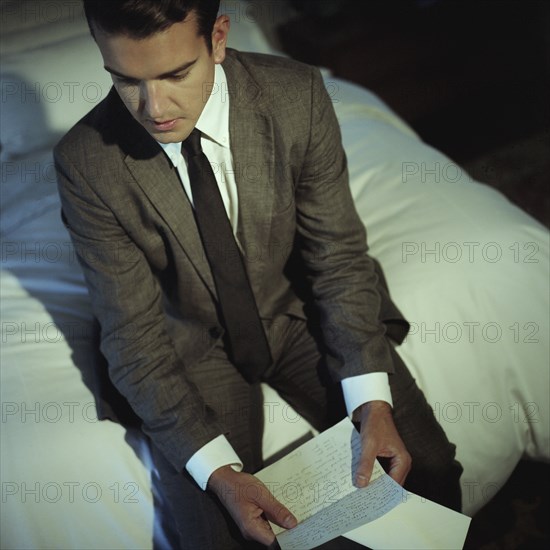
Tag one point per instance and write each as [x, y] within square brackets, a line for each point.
[379, 438]
[250, 504]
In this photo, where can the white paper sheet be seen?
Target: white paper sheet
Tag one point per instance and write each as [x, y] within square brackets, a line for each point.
[416, 524]
[315, 482]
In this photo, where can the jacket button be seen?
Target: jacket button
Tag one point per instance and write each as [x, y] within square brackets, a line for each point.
[215, 332]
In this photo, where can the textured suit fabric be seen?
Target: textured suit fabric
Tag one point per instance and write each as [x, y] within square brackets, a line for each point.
[150, 285]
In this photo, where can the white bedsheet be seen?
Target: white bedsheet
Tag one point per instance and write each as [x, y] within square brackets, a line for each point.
[467, 268]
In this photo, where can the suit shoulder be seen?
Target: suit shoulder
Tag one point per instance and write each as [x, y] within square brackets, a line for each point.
[269, 61]
[89, 132]
[270, 67]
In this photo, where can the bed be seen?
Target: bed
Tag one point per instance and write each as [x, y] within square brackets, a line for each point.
[468, 268]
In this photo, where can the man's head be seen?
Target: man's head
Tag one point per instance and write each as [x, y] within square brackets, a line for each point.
[161, 56]
[143, 18]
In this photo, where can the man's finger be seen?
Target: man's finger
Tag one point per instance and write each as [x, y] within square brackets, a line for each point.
[254, 505]
[277, 513]
[258, 529]
[400, 466]
[365, 466]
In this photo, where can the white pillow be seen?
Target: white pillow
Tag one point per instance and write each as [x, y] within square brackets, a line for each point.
[33, 24]
[45, 91]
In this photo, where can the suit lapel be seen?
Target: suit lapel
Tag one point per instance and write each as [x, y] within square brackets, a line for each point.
[253, 164]
[162, 186]
[252, 149]
[158, 179]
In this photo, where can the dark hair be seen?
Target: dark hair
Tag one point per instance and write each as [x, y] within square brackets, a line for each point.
[143, 18]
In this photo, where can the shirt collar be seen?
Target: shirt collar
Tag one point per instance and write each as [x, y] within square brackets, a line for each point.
[213, 122]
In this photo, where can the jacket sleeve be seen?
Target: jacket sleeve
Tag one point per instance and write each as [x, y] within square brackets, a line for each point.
[333, 246]
[127, 301]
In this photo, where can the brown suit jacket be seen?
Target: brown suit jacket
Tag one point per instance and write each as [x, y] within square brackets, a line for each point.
[149, 281]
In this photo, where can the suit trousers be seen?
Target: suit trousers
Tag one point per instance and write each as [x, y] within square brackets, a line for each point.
[299, 375]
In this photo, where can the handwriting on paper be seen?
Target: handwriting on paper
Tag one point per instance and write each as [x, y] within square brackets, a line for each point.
[316, 483]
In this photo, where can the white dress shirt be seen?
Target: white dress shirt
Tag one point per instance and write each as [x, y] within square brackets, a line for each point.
[214, 126]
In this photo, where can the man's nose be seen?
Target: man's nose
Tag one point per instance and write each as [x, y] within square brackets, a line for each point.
[153, 100]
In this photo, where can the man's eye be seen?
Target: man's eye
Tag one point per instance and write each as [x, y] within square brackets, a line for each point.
[181, 76]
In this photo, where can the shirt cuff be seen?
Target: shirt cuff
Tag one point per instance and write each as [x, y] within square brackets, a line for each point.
[210, 457]
[361, 389]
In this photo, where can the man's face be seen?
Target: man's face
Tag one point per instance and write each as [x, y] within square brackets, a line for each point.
[165, 80]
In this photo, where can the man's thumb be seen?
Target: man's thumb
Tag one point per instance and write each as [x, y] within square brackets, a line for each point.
[277, 513]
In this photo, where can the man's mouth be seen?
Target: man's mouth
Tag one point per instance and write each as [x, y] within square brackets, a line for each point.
[164, 125]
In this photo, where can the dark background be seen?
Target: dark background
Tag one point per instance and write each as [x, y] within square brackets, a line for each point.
[472, 79]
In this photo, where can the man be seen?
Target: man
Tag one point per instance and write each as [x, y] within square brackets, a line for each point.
[312, 318]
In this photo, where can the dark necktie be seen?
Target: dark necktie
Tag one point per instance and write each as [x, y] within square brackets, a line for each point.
[247, 343]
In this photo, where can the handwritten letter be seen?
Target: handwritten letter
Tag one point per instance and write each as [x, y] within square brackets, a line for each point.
[315, 482]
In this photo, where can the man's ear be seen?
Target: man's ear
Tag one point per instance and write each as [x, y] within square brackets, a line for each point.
[219, 37]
